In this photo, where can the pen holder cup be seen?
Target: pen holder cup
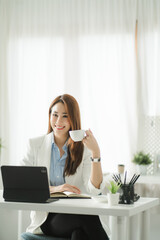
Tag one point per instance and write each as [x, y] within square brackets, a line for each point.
[126, 194]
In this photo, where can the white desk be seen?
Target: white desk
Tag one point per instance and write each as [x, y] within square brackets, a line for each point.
[124, 217]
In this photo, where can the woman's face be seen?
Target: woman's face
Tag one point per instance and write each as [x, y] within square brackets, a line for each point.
[59, 120]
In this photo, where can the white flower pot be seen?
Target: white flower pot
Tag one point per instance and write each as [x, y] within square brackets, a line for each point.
[113, 199]
[142, 169]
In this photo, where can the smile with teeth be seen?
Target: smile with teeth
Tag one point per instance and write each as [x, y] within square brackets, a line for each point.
[59, 128]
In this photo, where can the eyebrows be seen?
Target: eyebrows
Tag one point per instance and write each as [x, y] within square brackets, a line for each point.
[64, 113]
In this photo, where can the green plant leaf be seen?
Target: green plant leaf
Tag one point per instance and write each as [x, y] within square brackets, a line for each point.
[113, 188]
[141, 158]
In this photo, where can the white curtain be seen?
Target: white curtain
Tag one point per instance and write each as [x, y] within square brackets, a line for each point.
[149, 79]
[149, 55]
[82, 47]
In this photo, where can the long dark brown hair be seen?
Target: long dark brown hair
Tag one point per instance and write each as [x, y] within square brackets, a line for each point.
[75, 149]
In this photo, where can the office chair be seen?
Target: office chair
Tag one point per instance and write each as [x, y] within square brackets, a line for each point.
[30, 236]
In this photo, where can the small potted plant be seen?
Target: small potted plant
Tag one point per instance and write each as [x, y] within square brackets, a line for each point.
[142, 160]
[113, 195]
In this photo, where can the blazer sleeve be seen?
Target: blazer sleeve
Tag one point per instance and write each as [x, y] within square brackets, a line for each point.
[87, 173]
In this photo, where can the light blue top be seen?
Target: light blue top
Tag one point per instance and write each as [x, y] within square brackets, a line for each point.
[57, 164]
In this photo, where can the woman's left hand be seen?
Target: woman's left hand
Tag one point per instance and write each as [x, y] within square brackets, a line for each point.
[91, 143]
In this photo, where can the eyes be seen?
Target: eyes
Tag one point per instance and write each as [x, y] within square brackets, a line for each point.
[56, 115]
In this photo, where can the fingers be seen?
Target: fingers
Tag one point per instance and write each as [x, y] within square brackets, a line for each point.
[91, 143]
[70, 188]
[90, 130]
[65, 187]
[52, 189]
[75, 189]
[88, 133]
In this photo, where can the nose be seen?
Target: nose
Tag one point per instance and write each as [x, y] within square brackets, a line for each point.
[59, 120]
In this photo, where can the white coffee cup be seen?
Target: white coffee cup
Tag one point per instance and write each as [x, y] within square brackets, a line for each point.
[77, 135]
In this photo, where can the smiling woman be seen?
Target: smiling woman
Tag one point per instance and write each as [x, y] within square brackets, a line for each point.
[66, 106]
[71, 169]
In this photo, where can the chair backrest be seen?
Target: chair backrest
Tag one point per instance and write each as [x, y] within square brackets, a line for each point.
[30, 236]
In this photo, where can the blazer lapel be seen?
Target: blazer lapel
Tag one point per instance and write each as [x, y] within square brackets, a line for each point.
[44, 153]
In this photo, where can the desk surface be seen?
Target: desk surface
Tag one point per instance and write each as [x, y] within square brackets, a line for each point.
[84, 206]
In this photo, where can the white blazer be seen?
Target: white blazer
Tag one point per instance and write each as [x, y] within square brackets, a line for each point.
[39, 154]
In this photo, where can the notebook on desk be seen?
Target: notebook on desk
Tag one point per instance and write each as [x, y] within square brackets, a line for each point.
[25, 184]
